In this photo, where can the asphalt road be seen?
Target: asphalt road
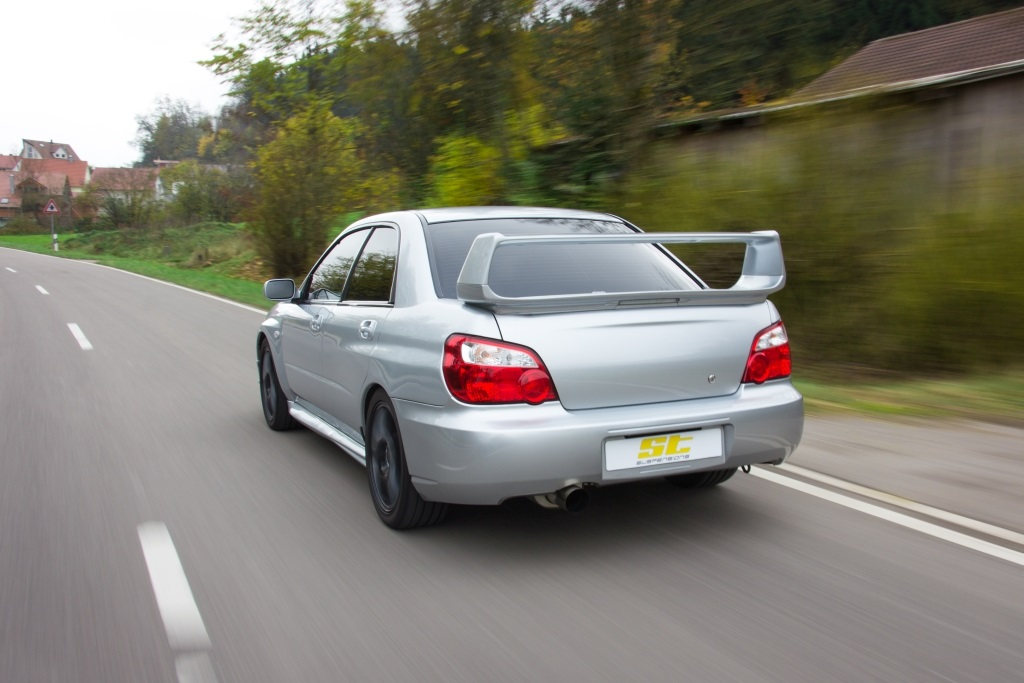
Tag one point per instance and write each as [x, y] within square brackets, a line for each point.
[153, 529]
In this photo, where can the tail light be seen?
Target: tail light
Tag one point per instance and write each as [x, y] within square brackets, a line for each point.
[769, 355]
[485, 371]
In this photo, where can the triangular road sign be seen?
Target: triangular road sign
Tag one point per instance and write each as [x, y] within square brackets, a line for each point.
[51, 207]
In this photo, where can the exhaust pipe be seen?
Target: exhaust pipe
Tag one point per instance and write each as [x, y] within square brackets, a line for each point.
[571, 499]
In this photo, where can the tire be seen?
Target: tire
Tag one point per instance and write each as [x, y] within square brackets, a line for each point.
[396, 500]
[702, 480]
[275, 404]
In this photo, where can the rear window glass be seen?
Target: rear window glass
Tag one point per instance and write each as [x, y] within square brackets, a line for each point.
[554, 269]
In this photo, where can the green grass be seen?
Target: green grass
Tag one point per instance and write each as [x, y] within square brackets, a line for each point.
[992, 397]
[212, 278]
[209, 258]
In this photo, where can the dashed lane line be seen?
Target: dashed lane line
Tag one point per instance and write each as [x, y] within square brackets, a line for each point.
[183, 623]
[42, 290]
[80, 337]
[9, 269]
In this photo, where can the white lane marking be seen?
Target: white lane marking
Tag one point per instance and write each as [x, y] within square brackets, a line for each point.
[182, 621]
[42, 290]
[195, 667]
[80, 337]
[907, 504]
[11, 269]
[899, 518]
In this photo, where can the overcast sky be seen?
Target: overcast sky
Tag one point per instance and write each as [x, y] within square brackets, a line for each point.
[81, 71]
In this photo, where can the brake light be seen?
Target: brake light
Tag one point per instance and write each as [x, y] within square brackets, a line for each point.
[485, 371]
[769, 355]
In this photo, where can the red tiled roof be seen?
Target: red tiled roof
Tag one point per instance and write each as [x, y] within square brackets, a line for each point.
[52, 182]
[7, 162]
[76, 171]
[46, 149]
[123, 179]
[973, 45]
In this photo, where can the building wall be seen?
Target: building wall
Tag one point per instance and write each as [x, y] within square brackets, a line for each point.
[957, 139]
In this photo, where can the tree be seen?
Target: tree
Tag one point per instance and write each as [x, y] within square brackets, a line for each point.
[307, 177]
[279, 65]
[171, 131]
[125, 198]
[290, 55]
[601, 65]
[205, 192]
[465, 171]
[472, 61]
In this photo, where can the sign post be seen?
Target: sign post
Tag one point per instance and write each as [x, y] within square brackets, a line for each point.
[53, 210]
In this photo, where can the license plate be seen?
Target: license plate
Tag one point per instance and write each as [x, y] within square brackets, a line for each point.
[663, 449]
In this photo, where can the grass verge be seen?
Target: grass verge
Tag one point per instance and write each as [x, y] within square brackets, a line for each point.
[987, 397]
[204, 279]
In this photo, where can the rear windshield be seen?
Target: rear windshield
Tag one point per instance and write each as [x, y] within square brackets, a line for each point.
[554, 269]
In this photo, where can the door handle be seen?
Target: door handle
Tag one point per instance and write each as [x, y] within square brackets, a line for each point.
[316, 322]
[367, 328]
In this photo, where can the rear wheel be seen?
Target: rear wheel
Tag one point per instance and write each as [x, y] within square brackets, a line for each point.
[396, 500]
[702, 480]
[275, 404]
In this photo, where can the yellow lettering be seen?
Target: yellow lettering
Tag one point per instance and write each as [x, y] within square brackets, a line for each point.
[652, 447]
[657, 446]
[673, 445]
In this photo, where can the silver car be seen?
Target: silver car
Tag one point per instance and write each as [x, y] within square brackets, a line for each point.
[472, 355]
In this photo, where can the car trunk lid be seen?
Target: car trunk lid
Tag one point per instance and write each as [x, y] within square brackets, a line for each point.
[633, 356]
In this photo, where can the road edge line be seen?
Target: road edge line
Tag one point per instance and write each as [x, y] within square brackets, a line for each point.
[899, 518]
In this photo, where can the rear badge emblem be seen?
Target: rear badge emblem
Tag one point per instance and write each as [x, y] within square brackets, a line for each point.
[711, 379]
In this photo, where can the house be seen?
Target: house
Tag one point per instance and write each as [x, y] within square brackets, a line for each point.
[10, 200]
[37, 149]
[44, 170]
[123, 182]
[963, 53]
[947, 98]
[53, 172]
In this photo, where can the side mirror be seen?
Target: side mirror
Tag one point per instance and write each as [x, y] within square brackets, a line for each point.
[279, 289]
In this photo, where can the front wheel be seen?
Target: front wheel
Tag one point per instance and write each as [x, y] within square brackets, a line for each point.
[275, 403]
[396, 500]
[701, 480]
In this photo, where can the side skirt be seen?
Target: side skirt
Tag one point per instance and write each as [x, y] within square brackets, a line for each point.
[319, 426]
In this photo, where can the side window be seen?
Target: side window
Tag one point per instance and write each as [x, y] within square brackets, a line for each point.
[327, 282]
[374, 273]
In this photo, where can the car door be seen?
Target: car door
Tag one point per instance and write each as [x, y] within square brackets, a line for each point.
[302, 328]
[351, 333]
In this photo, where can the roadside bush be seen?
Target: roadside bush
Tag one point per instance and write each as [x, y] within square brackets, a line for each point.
[23, 225]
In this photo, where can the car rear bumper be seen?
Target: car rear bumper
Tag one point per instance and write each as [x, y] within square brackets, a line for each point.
[482, 455]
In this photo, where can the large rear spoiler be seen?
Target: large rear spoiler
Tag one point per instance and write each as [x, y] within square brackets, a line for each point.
[763, 273]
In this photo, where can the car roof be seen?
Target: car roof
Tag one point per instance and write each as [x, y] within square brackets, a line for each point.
[471, 213]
